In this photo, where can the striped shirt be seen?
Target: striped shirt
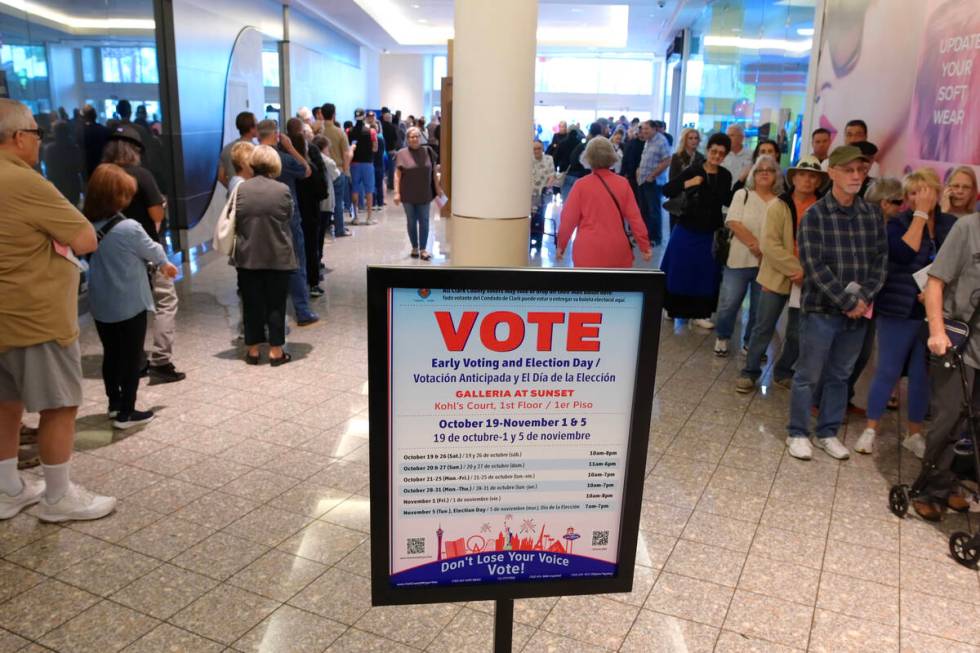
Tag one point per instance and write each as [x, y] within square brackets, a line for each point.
[655, 152]
[839, 245]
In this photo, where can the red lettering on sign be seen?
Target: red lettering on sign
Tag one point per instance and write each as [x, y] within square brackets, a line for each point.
[546, 325]
[582, 326]
[515, 331]
[455, 338]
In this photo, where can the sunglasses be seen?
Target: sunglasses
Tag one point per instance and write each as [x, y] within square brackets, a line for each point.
[895, 202]
[37, 132]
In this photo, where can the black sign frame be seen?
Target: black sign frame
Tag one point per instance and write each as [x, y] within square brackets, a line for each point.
[380, 279]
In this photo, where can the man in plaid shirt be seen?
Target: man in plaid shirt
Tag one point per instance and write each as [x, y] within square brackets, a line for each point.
[651, 177]
[844, 253]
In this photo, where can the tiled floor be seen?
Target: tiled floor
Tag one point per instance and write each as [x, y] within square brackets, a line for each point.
[243, 516]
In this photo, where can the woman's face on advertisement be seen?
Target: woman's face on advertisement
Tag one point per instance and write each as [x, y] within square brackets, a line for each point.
[861, 76]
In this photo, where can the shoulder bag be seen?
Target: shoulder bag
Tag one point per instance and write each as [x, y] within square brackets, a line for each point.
[224, 230]
[721, 242]
[622, 217]
[681, 203]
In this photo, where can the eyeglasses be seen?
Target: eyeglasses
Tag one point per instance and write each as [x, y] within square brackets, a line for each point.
[961, 187]
[36, 131]
[895, 202]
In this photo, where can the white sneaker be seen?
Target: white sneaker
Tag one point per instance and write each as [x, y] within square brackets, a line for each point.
[800, 448]
[721, 347]
[915, 443]
[703, 324]
[833, 448]
[30, 494]
[866, 442]
[78, 504]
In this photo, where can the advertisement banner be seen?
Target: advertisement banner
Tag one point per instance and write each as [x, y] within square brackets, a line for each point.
[510, 426]
[911, 70]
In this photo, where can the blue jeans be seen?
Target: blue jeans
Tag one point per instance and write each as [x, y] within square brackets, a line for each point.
[829, 346]
[734, 283]
[653, 216]
[418, 224]
[340, 195]
[348, 188]
[299, 290]
[900, 340]
[770, 308]
[379, 184]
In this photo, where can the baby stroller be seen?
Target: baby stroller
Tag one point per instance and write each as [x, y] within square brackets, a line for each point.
[965, 548]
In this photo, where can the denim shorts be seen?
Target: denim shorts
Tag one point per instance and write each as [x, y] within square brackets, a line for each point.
[362, 176]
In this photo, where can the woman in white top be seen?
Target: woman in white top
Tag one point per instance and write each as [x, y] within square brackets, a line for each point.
[746, 217]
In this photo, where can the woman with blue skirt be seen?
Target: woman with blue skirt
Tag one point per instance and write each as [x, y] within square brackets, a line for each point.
[693, 274]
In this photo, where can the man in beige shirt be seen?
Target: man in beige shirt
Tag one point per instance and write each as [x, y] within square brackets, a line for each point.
[40, 361]
[340, 153]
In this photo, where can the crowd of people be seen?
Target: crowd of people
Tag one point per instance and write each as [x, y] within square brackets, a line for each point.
[852, 258]
[103, 213]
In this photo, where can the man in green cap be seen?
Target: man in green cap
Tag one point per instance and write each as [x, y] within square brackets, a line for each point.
[844, 254]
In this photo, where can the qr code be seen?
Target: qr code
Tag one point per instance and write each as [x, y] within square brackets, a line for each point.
[415, 545]
[600, 538]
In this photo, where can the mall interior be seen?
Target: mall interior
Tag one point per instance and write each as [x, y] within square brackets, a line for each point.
[231, 507]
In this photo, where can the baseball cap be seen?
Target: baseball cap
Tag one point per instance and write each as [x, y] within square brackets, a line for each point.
[358, 113]
[127, 133]
[845, 154]
[867, 148]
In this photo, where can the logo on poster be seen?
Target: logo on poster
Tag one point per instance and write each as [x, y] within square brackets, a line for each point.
[424, 293]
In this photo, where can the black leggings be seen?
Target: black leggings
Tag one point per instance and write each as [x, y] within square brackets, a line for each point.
[122, 360]
[264, 305]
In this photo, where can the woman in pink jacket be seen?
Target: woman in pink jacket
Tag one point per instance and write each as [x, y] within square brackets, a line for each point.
[599, 207]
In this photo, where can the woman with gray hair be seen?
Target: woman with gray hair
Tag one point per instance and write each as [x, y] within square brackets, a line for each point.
[416, 185]
[887, 193]
[264, 255]
[598, 207]
[746, 217]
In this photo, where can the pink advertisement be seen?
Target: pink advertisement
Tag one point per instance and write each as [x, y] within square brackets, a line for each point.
[911, 70]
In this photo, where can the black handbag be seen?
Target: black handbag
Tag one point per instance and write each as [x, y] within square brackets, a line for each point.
[721, 245]
[679, 204]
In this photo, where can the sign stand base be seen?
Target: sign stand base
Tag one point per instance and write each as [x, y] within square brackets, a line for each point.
[503, 626]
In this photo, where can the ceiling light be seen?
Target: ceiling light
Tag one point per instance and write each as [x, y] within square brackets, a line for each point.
[744, 43]
[805, 31]
[77, 22]
[423, 20]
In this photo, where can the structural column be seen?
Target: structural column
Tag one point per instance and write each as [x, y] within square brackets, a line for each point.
[493, 104]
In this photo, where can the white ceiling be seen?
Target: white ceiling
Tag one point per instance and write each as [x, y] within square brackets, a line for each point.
[414, 26]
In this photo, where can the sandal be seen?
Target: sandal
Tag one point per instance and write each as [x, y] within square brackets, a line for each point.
[282, 360]
[415, 253]
[425, 256]
[251, 360]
